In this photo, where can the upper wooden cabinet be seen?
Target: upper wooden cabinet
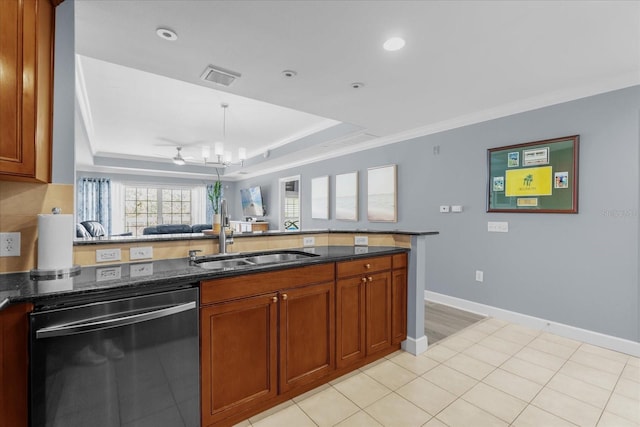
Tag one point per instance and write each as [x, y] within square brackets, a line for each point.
[26, 89]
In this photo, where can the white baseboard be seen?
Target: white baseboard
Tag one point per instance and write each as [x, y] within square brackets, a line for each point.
[415, 346]
[596, 338]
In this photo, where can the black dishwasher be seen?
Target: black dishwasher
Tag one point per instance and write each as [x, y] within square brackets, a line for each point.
[124, 362]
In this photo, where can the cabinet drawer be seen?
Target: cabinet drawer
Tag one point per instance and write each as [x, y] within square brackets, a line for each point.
[245, 285]
[363, 266]
[399, 261]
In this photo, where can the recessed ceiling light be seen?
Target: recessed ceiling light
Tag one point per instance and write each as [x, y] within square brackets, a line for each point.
[167, 34]
[394, 43]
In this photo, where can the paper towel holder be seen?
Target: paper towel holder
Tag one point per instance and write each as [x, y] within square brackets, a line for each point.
[59, 273]
[54, 273]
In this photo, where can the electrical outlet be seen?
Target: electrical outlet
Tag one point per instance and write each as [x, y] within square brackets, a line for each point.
[10, 244]
[361, 240]
[309, 241]
[104, 255]
[108, 273]
[144, 252]
[479, 276]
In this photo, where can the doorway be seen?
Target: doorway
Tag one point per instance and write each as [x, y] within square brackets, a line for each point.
[290, 219]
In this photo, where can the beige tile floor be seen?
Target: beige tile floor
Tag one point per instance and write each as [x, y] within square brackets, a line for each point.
[492, 373]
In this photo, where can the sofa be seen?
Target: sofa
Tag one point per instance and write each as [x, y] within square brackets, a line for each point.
[175, 229]
[93, 229]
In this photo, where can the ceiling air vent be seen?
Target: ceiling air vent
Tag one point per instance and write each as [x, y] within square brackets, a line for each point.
[219, 75]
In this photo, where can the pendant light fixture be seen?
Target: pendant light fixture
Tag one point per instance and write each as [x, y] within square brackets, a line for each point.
[224, 158]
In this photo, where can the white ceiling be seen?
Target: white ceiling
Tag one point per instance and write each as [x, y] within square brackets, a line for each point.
[464, 62]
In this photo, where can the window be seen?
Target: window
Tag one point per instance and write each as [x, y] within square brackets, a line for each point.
[148, 206]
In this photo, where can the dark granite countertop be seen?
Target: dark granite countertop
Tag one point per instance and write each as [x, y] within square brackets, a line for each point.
[96, 282]
[197, 236]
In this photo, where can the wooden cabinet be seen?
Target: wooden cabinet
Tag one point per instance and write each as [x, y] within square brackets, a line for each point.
[14, 359]
[378, 311]
[350, 321]
[307, 334]
[266, 337]
[26, 88]
[258, 325]
[364, 308]
[238, 355]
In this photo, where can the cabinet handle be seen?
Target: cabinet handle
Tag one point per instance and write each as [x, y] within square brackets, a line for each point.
[364, 280]
[367, 266]
[274, 299]
[370, 279]
[284, 296]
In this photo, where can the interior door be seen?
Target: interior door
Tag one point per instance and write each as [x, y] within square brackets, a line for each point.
[290, 215]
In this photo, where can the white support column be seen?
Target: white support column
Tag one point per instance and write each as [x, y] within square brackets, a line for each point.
[416, 342]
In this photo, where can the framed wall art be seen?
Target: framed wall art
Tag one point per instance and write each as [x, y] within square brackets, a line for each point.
[320, 197]
[382, 193]
[347, 196]
[538, 177]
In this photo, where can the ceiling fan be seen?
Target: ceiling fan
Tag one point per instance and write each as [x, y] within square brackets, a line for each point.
[178, 159]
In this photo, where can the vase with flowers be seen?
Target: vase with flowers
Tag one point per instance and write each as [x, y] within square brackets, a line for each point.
[214, 196]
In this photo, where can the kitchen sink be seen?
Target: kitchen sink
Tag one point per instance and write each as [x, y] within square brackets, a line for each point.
[222, 264]
[228, 262]
[278, 257]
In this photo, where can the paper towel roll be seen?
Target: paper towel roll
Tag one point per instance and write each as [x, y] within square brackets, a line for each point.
[55, 242]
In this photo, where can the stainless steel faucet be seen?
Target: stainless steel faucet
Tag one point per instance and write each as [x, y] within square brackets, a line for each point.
[193, 254]
[224, 224]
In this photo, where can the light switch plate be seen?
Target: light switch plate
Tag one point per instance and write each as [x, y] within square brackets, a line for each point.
[498, 226]
[10, 244]
[104, 255]
[361, 240]
[309, 241]
[139, 270]
[143, 252]
[444, 209]
[456, 208]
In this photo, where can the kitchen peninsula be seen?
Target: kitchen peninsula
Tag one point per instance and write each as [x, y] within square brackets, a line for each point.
[324, 287]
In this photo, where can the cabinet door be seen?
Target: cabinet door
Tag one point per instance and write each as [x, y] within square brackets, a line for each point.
[26, 35]
[398, 306]
[238, 355]
[14, 336]
[378, 300]
[350, 321]
[307, 334]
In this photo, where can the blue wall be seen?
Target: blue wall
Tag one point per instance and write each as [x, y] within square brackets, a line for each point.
[581, 270]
